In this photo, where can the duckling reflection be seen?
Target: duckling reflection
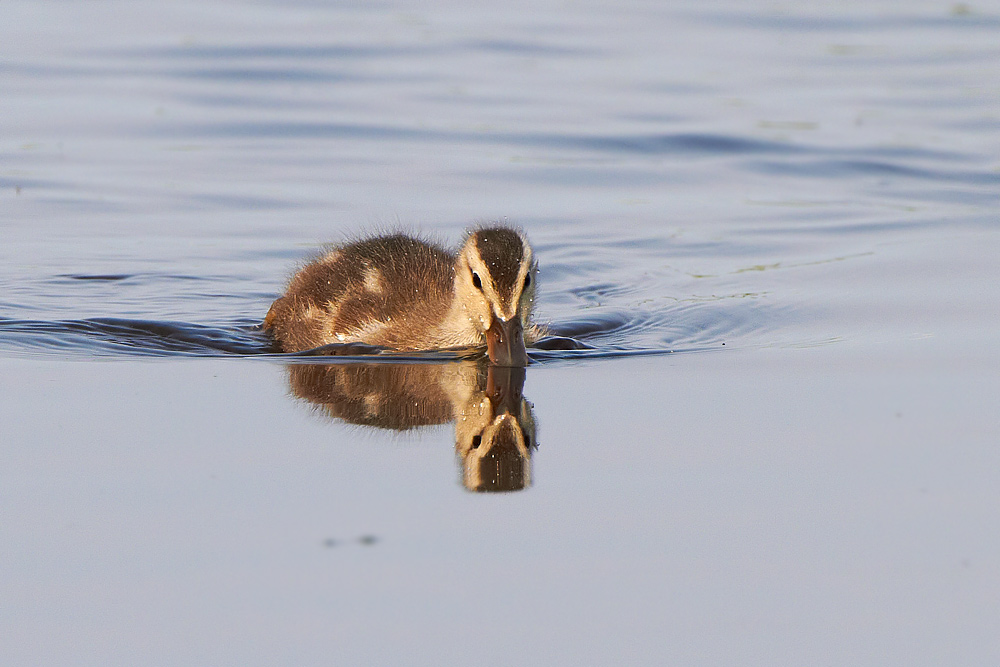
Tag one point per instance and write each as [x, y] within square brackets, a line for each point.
[495, 434]
[494, 424]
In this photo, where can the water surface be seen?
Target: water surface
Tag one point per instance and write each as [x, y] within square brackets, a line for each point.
[771, 231]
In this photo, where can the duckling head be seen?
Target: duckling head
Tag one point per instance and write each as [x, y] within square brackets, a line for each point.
[495, 282]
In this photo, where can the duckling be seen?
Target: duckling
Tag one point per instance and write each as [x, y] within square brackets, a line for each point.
[404, 293]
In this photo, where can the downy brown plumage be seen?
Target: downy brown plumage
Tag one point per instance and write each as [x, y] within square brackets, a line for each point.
[404, 293]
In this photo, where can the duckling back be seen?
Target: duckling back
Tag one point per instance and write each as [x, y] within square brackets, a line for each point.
[389, 290]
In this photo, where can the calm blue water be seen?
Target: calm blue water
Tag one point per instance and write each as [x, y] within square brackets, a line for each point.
[810, 193]
[681, 171]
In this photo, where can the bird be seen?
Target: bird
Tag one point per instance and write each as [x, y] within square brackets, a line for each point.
[404, 293]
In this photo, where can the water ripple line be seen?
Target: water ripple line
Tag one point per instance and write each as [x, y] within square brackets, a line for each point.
[606, 334]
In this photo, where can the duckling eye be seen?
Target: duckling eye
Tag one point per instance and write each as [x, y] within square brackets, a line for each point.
[476, 439]
[476, 281]
[527, 281]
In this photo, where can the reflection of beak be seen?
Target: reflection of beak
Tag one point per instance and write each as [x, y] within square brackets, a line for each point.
[503, 387]
[505, 342]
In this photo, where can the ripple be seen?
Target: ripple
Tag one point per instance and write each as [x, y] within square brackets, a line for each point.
[636, 144]
[612, 333]
[839, 168]
[125, 337]
[98, 277]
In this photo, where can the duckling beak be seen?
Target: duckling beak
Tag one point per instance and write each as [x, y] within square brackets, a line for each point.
[505, 343]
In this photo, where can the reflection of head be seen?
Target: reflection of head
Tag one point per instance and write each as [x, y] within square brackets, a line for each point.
[499, 459]
[494, 425]
[495, 434]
